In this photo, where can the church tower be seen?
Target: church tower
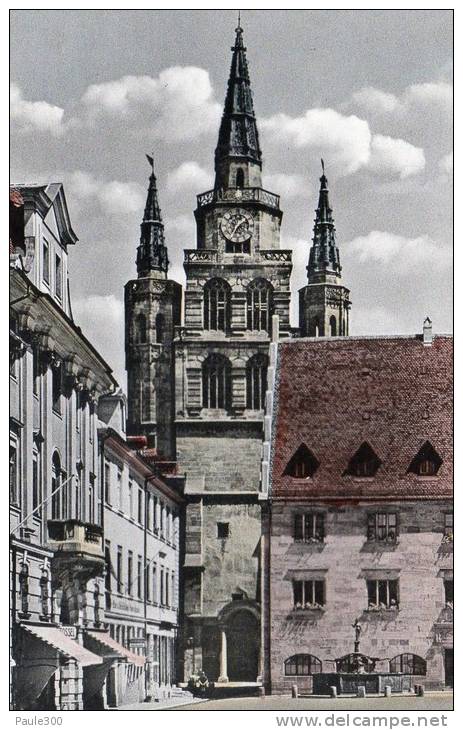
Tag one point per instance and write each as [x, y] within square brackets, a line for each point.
[237, 277]
[324, 303]
[152, 310]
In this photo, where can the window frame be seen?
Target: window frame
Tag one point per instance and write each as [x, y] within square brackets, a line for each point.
[306, 531]
[374, 530]
[216, 306]
[400, 660]
[312, 588]
[378, 605]
[300, 662]
[46, 262]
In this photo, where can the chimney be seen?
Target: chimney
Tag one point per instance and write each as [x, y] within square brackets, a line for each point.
[427, 332]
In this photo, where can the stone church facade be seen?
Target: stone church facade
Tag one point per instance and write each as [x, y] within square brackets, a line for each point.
[197, 390]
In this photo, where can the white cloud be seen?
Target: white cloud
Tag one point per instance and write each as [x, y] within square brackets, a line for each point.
[346, 143]
[374, 100]
[114, 197]
[101, 319]
[289, 186]
[343, 140]
[179, 104]
[189, 176]
[398, 252]
[446, 164]
[35, 116]
[396, 156]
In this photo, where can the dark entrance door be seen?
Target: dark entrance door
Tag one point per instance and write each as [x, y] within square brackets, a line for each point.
[448, 663]
[243, 647]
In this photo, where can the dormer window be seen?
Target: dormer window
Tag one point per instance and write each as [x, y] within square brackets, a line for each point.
[364, 463]
[427, 461]
[303, 464]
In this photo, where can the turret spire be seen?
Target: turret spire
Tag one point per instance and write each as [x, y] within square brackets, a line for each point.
[324, 262]
[238, 142]
[152, 251]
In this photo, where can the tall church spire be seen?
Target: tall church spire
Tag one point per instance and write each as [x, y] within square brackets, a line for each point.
[324, 303]
[324, 262]
[152, 251]
[238, 144]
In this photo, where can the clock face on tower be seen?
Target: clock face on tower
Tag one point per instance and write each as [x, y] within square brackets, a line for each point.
[237, 225]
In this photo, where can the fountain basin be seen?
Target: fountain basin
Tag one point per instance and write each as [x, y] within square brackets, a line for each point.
[348, 683]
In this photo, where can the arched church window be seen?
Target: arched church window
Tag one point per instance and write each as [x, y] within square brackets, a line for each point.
[333, 326]
[140, 331]
[217, 305]
[56, 487]
[256, 381]
[217, 382]
[259, 305]
[159, 327]
[240, 178]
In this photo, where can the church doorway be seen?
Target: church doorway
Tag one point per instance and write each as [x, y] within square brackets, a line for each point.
[243, 646]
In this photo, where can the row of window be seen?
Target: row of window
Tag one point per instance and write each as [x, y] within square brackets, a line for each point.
[306, 664]
[143, 578]
[68, 499]
[381, 527]
[160, 518]
[364, 463]
[217, 382]
[381, 594]
[217, 305]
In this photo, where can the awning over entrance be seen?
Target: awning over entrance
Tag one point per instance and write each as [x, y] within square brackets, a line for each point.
[55, 638]
[113, 649]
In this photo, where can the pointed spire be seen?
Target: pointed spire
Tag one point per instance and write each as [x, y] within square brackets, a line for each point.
[238, 135]
[152, 251]
[324, 262]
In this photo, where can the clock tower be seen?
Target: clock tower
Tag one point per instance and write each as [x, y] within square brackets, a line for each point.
[237, 277]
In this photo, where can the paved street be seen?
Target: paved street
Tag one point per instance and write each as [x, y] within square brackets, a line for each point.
[433, 701]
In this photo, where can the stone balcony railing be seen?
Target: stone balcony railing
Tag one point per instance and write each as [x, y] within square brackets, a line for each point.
[211, 255]
[238, 195]
[74, 536]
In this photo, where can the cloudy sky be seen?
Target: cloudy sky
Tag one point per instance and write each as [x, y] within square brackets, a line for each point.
[370, 91]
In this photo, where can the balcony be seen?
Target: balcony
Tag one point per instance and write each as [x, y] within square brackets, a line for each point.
[240, 195]
[77, 546]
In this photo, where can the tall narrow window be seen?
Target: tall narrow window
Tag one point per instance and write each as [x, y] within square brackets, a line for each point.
[58, 277]
[259, 305]
[14, 481]
[78, 495]
[131, 500]
[333, 326]
[448, 591]
[119, 569]
[147, 581]
[119, 489]
[240, 178]
[24, 588]
[448, 527]
[140, 325]
[108, 570]
[35, 371]
[167, 588]
[159, 327]
[56, 487]
[45, 262]
[155, 515]
[217, 305]
[91, 499]
[36, 491]
[44, 583]
[216, 382]
[163, 602]
[56, 388]
[129, 572]
[256, 382]
[140, 507]
[107, 483]
[139, 576]
[155, 584]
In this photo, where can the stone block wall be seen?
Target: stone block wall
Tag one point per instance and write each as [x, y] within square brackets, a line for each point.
[419, 559]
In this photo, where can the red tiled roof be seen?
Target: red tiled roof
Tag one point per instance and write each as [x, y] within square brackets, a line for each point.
[334, 394]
